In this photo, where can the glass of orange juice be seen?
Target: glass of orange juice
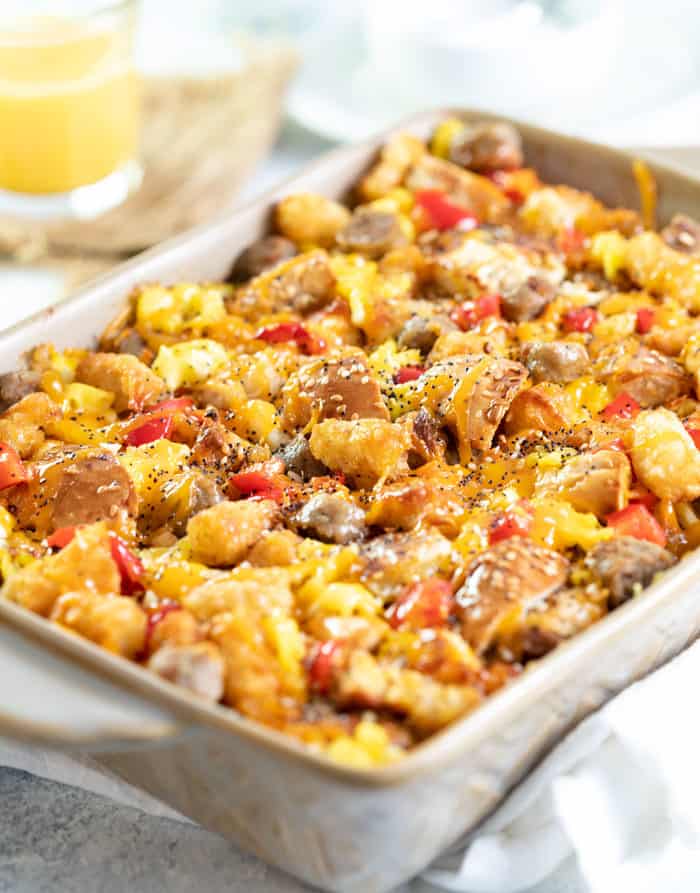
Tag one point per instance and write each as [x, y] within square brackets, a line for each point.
[69, 106]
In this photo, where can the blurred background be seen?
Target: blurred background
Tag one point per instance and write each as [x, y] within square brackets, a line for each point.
[237, 95]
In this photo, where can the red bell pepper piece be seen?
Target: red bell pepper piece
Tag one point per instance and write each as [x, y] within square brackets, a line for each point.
[12, 469]
[645, 319]
[158, 421]
[636, 520]
[488, 305]
[624, 406]
[512, 522]
[514, 195]
[408, 373]
[464, 316]
[321, 666]
[291, 331]
[256, 485]
[60, 537]
[130, 566]
[648, 500]
[695, 434]
[427, 603]
[154, 429]
[468, 314]
[571, 240]
[580, 319]
[501, 179]
[442, 212]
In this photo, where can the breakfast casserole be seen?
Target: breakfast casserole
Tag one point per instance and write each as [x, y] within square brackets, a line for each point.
[411, 445]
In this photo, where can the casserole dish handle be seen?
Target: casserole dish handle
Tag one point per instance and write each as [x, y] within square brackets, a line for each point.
[47, 699]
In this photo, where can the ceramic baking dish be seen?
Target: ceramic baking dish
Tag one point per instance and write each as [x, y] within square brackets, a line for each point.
[360, 831]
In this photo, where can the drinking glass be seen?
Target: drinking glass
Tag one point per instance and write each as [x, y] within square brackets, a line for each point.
[69, 106]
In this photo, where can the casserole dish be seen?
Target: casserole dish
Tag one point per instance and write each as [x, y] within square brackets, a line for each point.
[339, 828]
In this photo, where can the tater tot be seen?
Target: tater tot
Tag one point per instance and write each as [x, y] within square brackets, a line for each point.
[309, 219]
[221, 535]
[115, 622]
[664, 456]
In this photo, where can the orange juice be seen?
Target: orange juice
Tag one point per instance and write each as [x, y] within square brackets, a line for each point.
[69, 104]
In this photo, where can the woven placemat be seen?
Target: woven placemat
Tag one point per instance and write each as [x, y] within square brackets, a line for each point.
[201, 138]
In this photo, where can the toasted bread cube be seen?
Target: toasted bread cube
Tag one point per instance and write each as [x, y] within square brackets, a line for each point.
[133, 384]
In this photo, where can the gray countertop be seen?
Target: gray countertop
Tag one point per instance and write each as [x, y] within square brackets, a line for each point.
[58, 838]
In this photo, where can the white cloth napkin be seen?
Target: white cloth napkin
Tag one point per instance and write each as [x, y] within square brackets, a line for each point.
[621, 795]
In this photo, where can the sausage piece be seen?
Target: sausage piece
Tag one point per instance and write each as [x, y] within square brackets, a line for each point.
[557, 361]
[487, 147]
[527, 300]
[16, 385]
[261, 255]
[300, 463]
[625, 564]
[93, 489]
[421, 333]
[332, 518]
[371, 233]
[129, 341]
[682, 234]
[70, 488]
